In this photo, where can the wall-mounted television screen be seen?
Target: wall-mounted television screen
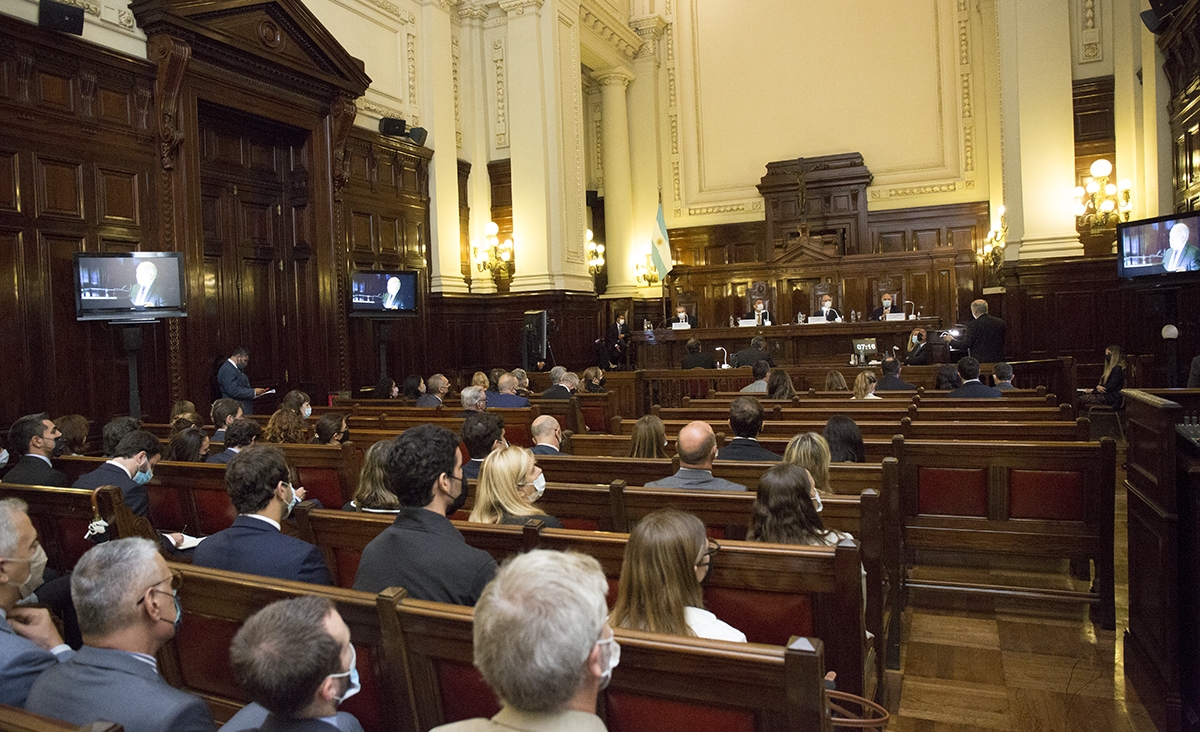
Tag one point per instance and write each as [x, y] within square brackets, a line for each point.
[125, 286]
[375, 294]
[1162, 246]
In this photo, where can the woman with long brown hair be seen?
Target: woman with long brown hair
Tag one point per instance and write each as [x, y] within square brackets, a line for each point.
[666, 560]
[373, 494]
[509, 483]
[779, 385]
[787, 510]
[285, 426]
[649, 438]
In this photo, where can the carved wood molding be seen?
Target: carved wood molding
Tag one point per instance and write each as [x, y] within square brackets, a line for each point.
[171, 56]
[341, 116]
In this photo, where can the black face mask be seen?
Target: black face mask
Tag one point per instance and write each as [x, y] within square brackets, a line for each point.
[346, 436]
[461, 500]
[60, 447]
[601, 381]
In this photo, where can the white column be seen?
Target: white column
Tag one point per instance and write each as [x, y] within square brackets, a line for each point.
[622, 252]
[474, 79]
[436, 81]
[1156, 130]
[1127, 99]
[1038, 128]
[644, 135]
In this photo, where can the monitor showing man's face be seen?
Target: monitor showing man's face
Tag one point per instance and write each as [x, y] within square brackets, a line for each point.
[146, 273]
[1179, 236]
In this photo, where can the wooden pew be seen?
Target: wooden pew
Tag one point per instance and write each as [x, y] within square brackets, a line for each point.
[61, 517]
[767, 591]
[1034, 499]
[785, 430]
[634, 471]
[14, 719]
[566, 411]
[661, 680]
[582, 506]
[216, 603]
[517, 422]
[1039, 394]
[582, 413]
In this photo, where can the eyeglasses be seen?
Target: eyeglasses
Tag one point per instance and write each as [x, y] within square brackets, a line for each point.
[176, 583]
[709, 552]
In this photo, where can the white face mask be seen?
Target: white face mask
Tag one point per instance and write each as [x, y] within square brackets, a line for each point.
[614, 658]
[37, 568]
[825, 305]
[3, 457]
[887, 303]
[817, 503]
[355, 685]
[758, 306]
[915, 340]
[307, 412]
[539, 487]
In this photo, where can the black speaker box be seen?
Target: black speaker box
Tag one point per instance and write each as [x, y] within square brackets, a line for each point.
[418, 135]
[60, 17]
[392, 126]
[535, 333]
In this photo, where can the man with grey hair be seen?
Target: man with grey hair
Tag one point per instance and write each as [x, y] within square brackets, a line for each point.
[522, 383]
[29, 642]
[557, 390]
[984, 338]
[128, 609]
[543, 643]
[507, 397]
[436, 387]
[697, 447]
[474, 399]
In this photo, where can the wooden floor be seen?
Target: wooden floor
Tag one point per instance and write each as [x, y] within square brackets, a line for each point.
[989, 665]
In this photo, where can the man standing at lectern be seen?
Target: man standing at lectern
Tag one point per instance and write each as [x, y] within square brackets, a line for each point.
[984, 337]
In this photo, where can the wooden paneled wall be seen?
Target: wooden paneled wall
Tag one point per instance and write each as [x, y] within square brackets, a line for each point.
[1182, 68]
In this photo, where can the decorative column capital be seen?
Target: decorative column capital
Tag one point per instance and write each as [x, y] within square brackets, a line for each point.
[614, 77]
[472, 11]
[517, 7]
[650, 29]
[445, 5]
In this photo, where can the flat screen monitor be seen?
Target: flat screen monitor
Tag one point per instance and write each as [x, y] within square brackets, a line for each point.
[129, 286]
[375, 294]
[1165, 247]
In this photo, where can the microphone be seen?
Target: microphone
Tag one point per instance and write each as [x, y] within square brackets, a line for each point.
[910, 302]
[722, 350]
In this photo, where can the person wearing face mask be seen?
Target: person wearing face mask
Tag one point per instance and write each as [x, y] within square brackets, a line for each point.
[787, 510]
[886, 309]
[827, 312]
[128, 606]
[667, 561]
[482, 432]
[34, 438]
[507, 397]
[257, 482]
[29, 642]
[543, 644]
[547, 435]
[234, 384]
[131, 469]
[296, 661]
[1112, 380]
[298, 402]
[617, 340]
[510, 482]
[424, 470]
[759, 313]
[917, 350]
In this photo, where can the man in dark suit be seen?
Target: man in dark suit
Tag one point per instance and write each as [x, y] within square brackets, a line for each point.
[617, 341]
[562, 384]
[827, 312]
[682, 316]
[918, 354]
[891, 380]
[547, 435]
[29, 642]
[33, 438]
[474, 400]
[506, 397]
[257, 481]
[984, 337]
[696, 446]
[224, 411]
[759, 314]
[241, 433]
[745, 419]
[888, 305]
[234, 382]
[422, 551]
[436, 389]
[130, 469]
[753, 354]
[697, 360]
[115, 431]
[482, 432]
[295, 660]
[128, 610]
[1002, 372]
[972, 388]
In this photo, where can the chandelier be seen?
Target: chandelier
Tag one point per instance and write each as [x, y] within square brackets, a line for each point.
[493, 255]
[1100, 204]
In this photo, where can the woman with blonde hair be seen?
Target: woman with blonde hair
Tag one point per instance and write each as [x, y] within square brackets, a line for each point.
[811, 452]
[509, 482]
[593, 380]
[480, 379]
[285, 426]
[835, 382]
[864, 386]
[373, 494]
[667, 558]
[916, 351]
[649, 438]
[1112, 380]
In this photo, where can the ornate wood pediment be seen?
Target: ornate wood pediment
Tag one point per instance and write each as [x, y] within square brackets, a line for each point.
[279, 41]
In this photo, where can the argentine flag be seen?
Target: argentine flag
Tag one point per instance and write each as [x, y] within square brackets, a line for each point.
[660, 252]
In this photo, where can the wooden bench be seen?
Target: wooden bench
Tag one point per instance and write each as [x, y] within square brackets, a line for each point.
[661, 681]
[1034, 499]
[14, 719]
[61, 517]
[517, 422]
[216, 603]
[1038, 393]
[768, 591]
[773, 430]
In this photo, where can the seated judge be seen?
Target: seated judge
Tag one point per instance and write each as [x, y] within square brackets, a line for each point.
[886, 307]
[392, 300]
[759, 313]
[891, 381]
[34, 438]
[697, 360]
[257, 481]
[827, 312]
[746, 419]
[696, 447]
[972, 387]
[917, 349]
[681, 316]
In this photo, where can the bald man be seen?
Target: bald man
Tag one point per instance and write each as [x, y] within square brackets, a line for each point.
[547, 435]
[506, 394]
[697, 447]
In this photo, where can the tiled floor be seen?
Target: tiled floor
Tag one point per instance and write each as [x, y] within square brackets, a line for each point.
[991, 665]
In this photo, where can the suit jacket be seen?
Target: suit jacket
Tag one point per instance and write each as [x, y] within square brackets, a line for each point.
[614, 334]
[423, 553]
[974, 390]
[699, 361]
[136, 496]
[509, 719]
[1189, 260]
[21, 662]
[429, 400]
[32, 470]
[830, 315]
[1112, 387]
[877, 313]
[893, 383]
[100, 683]
[507, 401]
[984, 338]
[223, 457]
[1001, 385]
[691, 320]
[254, 546]
[918, 356]
[751, 356]
[558, 391]
[544, 449]
[471, 468]
[695, 478]
[746, 448]
[255, 715]
[236, 385]
[219, 435]
[768, 319]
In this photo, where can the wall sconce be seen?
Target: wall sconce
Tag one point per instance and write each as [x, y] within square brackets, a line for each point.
[1099, 204]
[647, 272]
[595, 254]
[993, 246]
[494, 255]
